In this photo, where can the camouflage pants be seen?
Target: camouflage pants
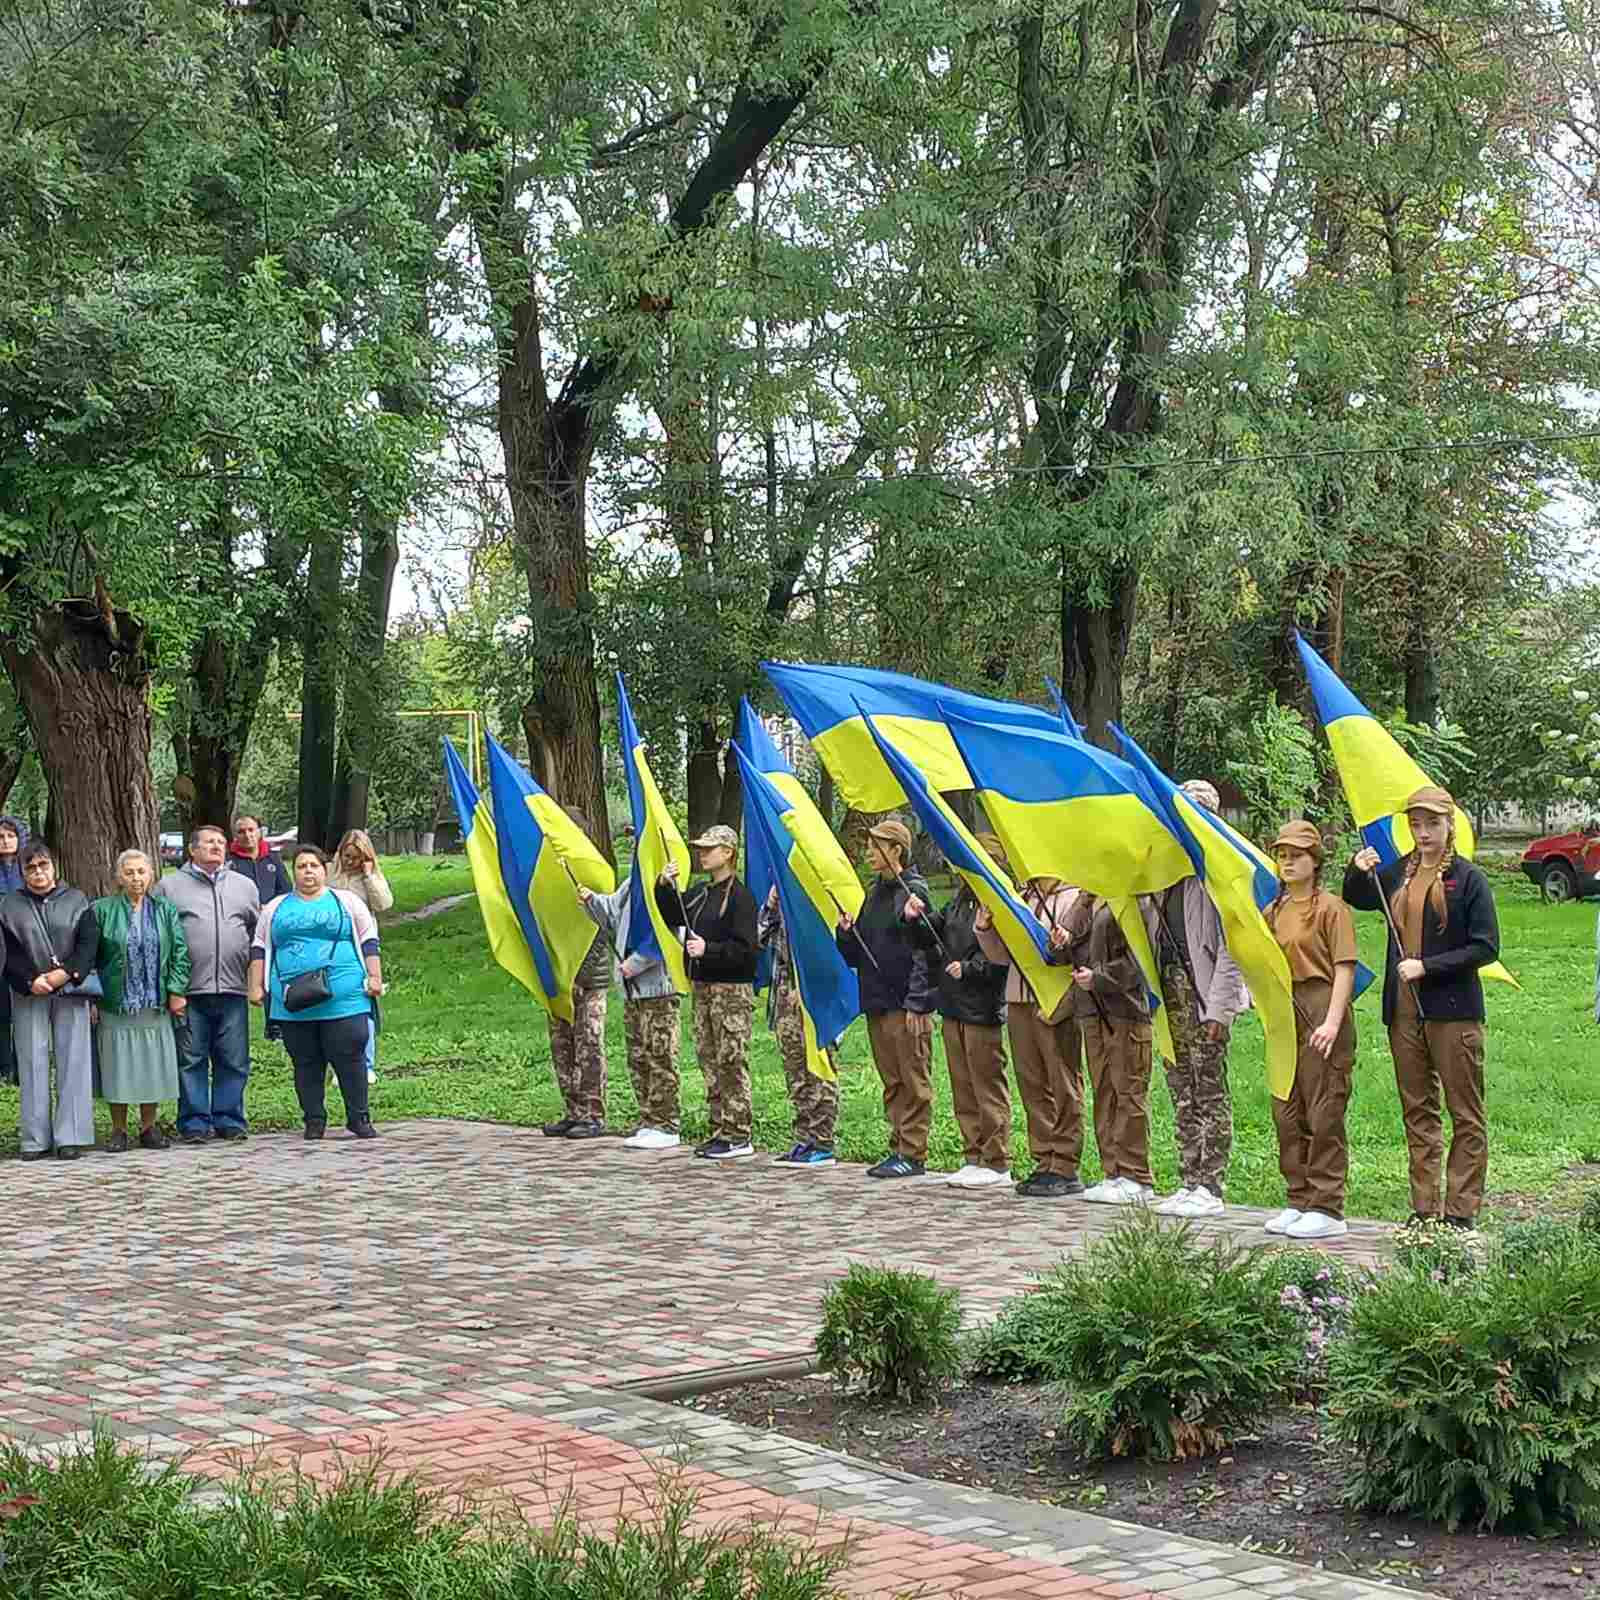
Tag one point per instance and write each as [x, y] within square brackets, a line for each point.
[1202, 1108]
[815, 1100]
[651, 1027]
[578, 1053]
[724, 1014]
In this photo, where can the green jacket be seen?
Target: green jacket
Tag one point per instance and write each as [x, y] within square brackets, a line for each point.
[112, 915]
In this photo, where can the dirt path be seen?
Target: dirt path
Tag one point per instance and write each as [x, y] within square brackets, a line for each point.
[434, 907]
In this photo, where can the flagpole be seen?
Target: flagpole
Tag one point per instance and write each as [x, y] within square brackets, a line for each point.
[933, 932]
[838, 904]
[1388, 916]
[683, 910]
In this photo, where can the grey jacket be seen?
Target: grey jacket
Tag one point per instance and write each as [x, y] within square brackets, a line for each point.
[219, 921]
[652, 981]
[1218, 983]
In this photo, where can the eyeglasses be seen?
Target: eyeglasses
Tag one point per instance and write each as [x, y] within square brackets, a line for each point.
[39, 866]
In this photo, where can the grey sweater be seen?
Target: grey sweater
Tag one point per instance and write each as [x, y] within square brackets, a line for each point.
[650, 982]
[219, 921]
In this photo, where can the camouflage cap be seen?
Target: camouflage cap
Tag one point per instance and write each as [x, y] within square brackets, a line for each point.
[721, 834]
[1203, 793]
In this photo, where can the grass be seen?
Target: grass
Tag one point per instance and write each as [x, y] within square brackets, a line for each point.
[104, 1522]
[461, 1039]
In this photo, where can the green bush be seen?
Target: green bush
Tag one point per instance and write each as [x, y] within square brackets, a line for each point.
[1168, 1346]
[1476, 1399]
[1020, 1345]
[100, 1523]
[896, 1333]
[1589, 1210]
[1435, 1249]
[1519, 1244]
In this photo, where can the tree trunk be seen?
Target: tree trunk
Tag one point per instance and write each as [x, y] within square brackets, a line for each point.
[380, 559]
[216, 714]
[1422, 678]
[319, 693]
[84, 688]
[704, 779]
[10, 770]
[1094, 646]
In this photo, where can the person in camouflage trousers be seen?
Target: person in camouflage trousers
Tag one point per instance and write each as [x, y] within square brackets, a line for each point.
[578, 1048]
[719, 949]
[815, 1100]
[1204, 991]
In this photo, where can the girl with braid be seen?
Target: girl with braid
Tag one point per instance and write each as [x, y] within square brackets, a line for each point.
[1433, 1000]
[1318, 936]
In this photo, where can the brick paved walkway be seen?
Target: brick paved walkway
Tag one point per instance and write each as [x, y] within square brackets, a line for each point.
[465, 1296]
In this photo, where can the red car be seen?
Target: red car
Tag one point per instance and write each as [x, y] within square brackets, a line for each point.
[1566, 866]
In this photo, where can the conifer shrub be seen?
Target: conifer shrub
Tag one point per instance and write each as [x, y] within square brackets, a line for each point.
[896, 1334]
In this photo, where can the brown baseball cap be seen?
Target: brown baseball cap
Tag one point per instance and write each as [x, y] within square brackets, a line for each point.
[892, 831]
[1432, 798]
[1300, 835]
[721, 834]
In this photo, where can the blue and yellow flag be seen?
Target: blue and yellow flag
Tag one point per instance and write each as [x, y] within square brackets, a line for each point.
[1069, 723]
[538, 845]
[656, 841]
[832, 703]
[1377, 774]
[506, 942]
[809, 895]
[1242, 882]
[1015, 924]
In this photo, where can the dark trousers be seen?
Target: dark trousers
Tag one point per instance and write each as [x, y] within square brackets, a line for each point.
[316, 1046]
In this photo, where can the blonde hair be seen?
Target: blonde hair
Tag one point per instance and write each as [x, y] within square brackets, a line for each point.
[355, 836]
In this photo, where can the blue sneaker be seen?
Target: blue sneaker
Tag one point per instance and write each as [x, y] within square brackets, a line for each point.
[795, 1157]
[815, 1158]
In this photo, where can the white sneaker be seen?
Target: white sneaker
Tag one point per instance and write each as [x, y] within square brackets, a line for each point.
[1174, 1205]
[734, 1152]
[984, 1177]
[1202, 1203]
[1128, 1193]
[1284, 1220]
[965, 1178]
[1317, 1225]
[1103, 1193]
[652, 1139]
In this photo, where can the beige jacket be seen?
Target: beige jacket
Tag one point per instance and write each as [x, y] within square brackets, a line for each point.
[1047, 909]
[373, 892]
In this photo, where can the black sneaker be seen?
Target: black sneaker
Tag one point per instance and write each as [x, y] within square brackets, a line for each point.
[897, 1166]
[559, 1130]
[315, 1130]
[1048, 1186]
[117, 1144]
[232, 1135]
[33, 1155]
[154, 1139]
[67, 1152]
[586, 1130]
[364, 1130]
[197, 1138]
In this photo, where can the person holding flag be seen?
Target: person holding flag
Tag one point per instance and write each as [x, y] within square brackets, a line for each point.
[718, 922]
[1204, 991]
[1318, 936]
[972, 1002]
[815, 1099]
[1442, 933]
[1110, 1004]
[578, 1046]
[887, 959]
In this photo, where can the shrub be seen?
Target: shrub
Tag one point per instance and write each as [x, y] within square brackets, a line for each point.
[1476, 1399]
[1167, 1346]
[1020, 1345]
[1320, 1290]
[1589, 1210]
[1519, 1244]
[896, 1333]
[1435, 1249]
[98, 1522]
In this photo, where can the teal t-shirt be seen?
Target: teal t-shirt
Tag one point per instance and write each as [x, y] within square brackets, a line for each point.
[307, 934]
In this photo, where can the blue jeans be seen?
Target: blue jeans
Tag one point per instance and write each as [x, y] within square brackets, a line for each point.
[212, 1077]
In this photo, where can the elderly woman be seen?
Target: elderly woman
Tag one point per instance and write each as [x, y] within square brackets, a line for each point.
[315, 965]
[50, 941]
[143, 963]
[13, 839]
[355, 868]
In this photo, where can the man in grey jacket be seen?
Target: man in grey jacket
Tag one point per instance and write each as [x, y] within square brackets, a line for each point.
[650, 1017]
[219, 909]
[1204, 991]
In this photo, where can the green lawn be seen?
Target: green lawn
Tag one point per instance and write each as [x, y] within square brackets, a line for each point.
[462, 1040]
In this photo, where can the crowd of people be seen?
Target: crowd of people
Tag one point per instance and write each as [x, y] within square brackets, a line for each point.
[917, 963]
[140, 998]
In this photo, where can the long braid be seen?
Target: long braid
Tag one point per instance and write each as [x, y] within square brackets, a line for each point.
[1436, 891]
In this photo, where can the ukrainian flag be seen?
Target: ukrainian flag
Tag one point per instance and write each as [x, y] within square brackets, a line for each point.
[1070, 810]
[1377, 774]
[832, 704]
[1242, 882]
[656, 841]
[1016, 925]
[830, 998]
[1069, 723]
[533, 837]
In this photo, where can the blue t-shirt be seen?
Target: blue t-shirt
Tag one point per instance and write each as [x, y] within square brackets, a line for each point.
[307, 934]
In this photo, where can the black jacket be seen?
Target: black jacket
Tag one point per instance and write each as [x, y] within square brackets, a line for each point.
[901, 974]
[978, 996]
[1449, 990]
[42, 932]
[267, 872]
[724, 915]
